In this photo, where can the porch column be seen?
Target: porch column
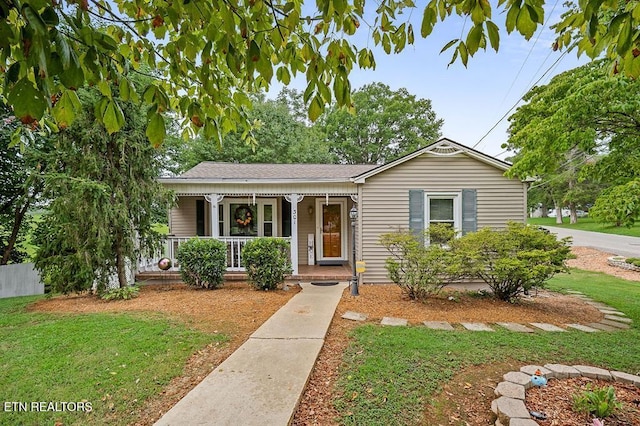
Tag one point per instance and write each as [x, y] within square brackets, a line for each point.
[294, 199]
[214, 200]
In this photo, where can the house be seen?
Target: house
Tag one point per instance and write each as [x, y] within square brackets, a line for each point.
[310, 204]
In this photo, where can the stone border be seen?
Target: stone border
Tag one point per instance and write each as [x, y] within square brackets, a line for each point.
[509, 406]
[620, 262]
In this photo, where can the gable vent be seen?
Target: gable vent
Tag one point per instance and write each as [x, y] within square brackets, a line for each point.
[443, 149]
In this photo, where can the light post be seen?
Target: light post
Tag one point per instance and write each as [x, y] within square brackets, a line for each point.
[353, 215]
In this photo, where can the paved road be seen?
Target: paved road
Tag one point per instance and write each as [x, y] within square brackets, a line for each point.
[616, 244]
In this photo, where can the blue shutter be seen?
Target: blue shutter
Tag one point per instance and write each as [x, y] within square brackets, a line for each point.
[416, 211]
[469, 210]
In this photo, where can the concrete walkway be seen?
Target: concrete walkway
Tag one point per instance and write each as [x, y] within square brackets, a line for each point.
[261, 382]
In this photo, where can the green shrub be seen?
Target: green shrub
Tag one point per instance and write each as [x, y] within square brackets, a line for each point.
[420, 270]
[203, 262]
[601, 402]
[633, 261]
[267, 262]
[513, 260]
[122, 293]
[619, 205]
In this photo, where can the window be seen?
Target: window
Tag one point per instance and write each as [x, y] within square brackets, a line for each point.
[443, 208]
[242, 218]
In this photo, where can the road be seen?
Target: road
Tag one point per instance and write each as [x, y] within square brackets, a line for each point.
[616, 244]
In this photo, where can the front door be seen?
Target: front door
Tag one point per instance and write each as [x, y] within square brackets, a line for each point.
[331, 230]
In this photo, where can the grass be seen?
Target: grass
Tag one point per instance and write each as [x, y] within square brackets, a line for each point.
[587, 224]
[391, 372]
[114, 361]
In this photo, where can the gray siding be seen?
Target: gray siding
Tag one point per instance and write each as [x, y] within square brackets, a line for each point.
[385, 199]
[183, 217]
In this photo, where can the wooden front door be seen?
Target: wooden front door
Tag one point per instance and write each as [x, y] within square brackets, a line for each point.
[331, 230]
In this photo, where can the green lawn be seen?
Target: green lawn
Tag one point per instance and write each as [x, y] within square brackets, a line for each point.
[587, 224]
[114, 361]
[391, 372]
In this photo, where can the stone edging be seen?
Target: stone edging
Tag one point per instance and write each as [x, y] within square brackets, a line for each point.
[620, 262]
[510, 407]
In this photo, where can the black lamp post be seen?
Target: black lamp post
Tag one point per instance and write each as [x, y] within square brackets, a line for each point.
[353, 215]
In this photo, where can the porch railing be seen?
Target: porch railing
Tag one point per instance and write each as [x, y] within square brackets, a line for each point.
[171, 245]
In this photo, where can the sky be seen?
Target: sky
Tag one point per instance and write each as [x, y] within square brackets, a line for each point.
[470, 100]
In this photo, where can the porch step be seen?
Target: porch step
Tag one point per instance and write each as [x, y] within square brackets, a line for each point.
[174, 276]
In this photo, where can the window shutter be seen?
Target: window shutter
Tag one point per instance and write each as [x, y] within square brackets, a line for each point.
[416, 211]
[469, 210]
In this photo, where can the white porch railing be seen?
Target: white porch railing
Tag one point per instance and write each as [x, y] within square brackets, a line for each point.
[234, 250]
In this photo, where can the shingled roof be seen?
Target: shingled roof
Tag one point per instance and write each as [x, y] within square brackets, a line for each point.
[209, 170]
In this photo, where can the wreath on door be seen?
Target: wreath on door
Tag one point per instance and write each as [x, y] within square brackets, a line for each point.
[243, 216]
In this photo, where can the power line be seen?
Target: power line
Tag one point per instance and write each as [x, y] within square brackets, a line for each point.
[519, 99]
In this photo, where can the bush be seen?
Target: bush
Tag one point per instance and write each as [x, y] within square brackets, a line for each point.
[513, 260]
[633, 261]
[122, 293]
[203, 262]
[267, 262]
[420, 271]
[619, 205]
[601, 402]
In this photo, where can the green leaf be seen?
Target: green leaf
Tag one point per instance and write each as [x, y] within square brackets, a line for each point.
[526, 25]
[105, 88]
[28, 102]
[624, 38]
[73, 76]
[448, 45]
[315, 108]
[464, 53]
[512, 17]
[113, 118]
[473, 39]
[494, 35]
[66, 109]
[34, 20]
[155, 128]
[428, 21]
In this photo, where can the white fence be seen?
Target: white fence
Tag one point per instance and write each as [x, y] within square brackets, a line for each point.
[234, 250]
[19, 279]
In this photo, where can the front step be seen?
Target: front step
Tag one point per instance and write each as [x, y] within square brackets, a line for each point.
[174, 276]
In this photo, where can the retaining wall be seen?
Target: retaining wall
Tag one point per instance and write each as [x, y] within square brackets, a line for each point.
[19, 280]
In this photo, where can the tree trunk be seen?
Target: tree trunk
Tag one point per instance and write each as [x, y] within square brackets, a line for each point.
[558, 214]
[544, 211]
[573, 216]
[17, 223]
[121, 264]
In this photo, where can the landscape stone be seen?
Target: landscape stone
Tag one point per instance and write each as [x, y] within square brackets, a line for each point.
[531, 370]
[574, 292]
[612, 312]
[510, 390]
[619, 319]
[518, 378]
[593, 372]
[476, 326]
[510, 408]
[512, 326]
[619, 376]
[354, 316]
[562, 371]
[393, 321]
[494, 406]
[439, 325]
[584, 328]
[598, 305]
[602, 327]
[547, 327]
[498, 423]
[615, 324]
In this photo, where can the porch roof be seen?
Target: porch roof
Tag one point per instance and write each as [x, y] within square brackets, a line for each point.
[214, 172]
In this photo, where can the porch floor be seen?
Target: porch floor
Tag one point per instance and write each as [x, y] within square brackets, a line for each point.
[305, 273]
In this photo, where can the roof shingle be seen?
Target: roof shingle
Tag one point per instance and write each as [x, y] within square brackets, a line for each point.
[234, 171]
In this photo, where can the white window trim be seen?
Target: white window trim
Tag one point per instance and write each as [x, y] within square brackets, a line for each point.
[260, 202]
[456, 196]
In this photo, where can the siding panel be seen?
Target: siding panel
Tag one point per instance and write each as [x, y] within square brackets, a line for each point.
[385, 199]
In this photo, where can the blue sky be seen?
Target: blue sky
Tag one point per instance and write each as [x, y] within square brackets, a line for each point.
[470, 100]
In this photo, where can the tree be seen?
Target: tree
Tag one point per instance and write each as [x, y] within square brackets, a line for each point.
[582, 128]
[21, 167]
[387, 124]
[103, 189]
[210, 55]
[280, 135]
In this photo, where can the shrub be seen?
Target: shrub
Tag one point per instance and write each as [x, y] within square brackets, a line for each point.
[203, 262]
[601, 402]
[419, 270]
[633, 261]
[267, 262]
[122, 293]
[513, 260]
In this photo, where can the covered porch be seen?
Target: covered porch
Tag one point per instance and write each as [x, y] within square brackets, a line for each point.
[317, 227]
